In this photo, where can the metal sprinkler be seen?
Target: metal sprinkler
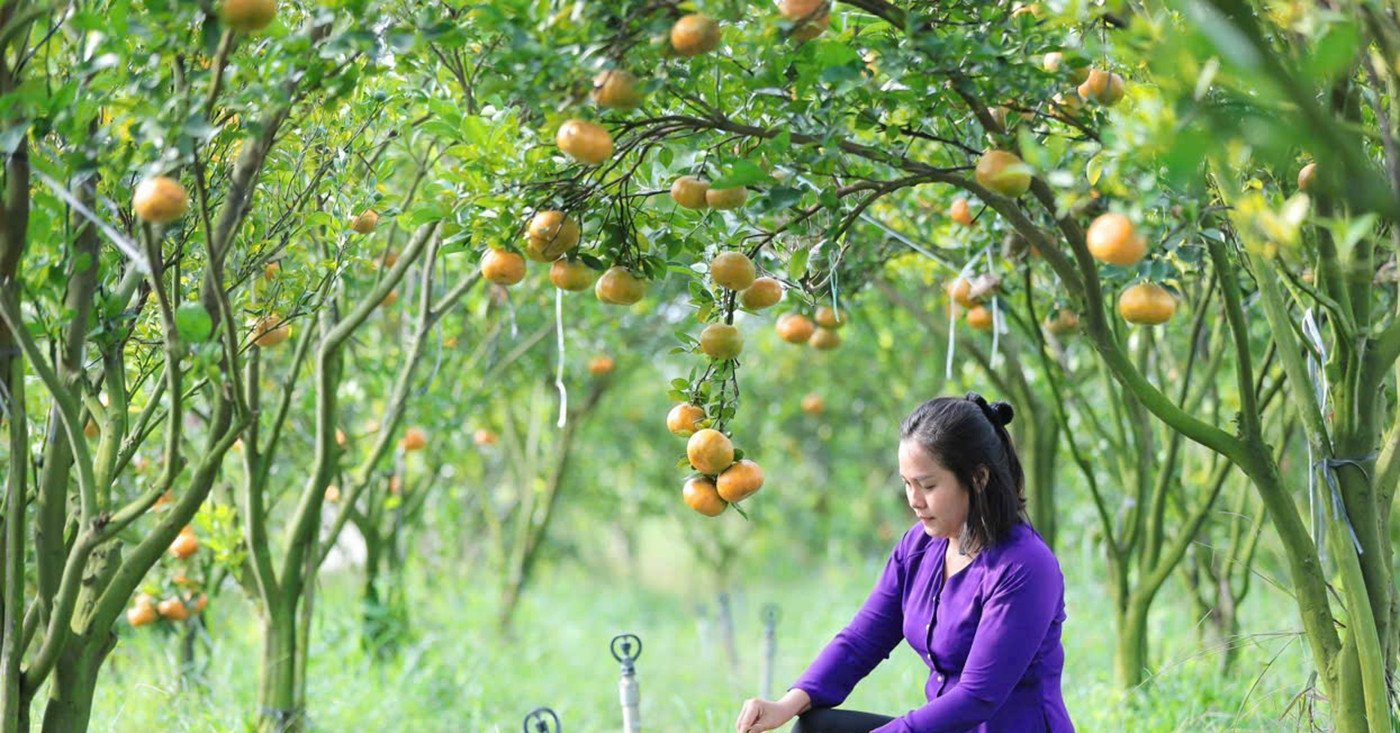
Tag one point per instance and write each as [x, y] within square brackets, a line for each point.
[542, 720]
[626, 648]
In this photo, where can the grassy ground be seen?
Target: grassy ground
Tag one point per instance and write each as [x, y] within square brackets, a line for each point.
[456, 675]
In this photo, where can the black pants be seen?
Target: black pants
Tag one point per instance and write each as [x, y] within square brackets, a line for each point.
[831, 720]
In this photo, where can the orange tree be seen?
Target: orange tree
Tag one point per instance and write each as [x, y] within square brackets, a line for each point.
[1078, 133]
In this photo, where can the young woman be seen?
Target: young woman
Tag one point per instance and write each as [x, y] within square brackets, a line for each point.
[972, 587]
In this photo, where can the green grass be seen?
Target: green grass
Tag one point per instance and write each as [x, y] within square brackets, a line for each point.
[456, 675]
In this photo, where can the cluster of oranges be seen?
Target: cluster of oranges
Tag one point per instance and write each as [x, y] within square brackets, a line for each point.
[824, 334]
[181, 605]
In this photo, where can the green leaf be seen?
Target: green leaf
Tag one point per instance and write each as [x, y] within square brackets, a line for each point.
[741, 173]
[1334, 52]
[797, 264]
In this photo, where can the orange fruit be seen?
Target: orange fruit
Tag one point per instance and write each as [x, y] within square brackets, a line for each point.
[726, 198]
[247, 16]
[332, 493]
[794, 328]
[1032, 9]
[185, 544]
[391, 257]
[90, 430]
[1112, 238]
[502, 267]
[616, 89]
[1067, 103]
[199, 603]
[701, 495]
[484, 437]
[765, 292]
[684, 419]
[828, 318]
[390, 299]
[1147, 304]
[813, 404]
[414, 439]
[694, 34]
[1102, 87]
[550, 234]
[733, 270]
[825, 339]
[600, 365]
[571, 276]
[980, 318]
[1065, 321]
[689, 192]
[812, 28]
[271, 270]
[271, 330]
[739, 481]
[960, 212]
[1306, 175]
[1004, 173]
[710, 451]
[160, 200]
[960, 290]
[340, 438]
[584, 141]
[802, 9]
[365, 222]
[721, 341]
[617, 286]
[172, 609]
[142, 614]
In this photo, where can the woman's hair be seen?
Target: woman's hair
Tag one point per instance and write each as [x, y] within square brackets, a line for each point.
[963, 433]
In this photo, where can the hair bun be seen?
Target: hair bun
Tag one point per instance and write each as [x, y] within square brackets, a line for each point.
[1003, 412]
[999, 413]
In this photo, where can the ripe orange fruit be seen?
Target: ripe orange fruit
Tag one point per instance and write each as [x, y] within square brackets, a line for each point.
[1051, 62]
[332, 493]
[271, 330]
[165, 499]
[600, 365]
[1054, 62]
[271, 270]
[689, 192]
[144, 613]
[616, 89]
[1032, 9]
[414, 439]
[365, 222]
[726, 198]
[185, 544]
[1004, 173]
[733, 270]
[739, 481]
[391, 257]
[584, 141]
[1306, 175]
[825, 339]
[710, 451]
[1147, 304]
[172, 609]
[813, 404]
[340, 438]
[502, 267]
[980, 318]
[90, 430]
[617, 286]
[1067, 103]
[701, 495]
[694, 34]
[390, 299]
[765, 292]
[571, 276]
[1064, 321]
[802, 9]
[1102, 87]
[828, 318]
[960, 212]
[199, 603]
[247, 16]
[684, 419]
[794, 328]
[550, 234]
[1112, 238]
[960, 290]
[484, 437]
[721, 341]
[160, 200]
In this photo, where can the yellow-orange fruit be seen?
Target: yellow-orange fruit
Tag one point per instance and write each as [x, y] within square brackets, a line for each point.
[1146, 304]
[701, 495]
[185, 544]
[684, 419]
[710, 451]
[502, 267]
[1004, 173]
[173, 609]
[960, 289]
[800, 9]
[391, 298]
[572, 276]
[247, 16]
[160, 200]
[829, 318]
[332, 493]
[1306, 175]
[145, 613]
[795, 328]
[365, 222]
[617, 286]
[414, 439]
[721, 341]
[550, 234]
[813, 404]
[961, 212]
[695, 34]
[980, 318]
[1102, 87]
[600, 365]
[765, 292]
[810, 29]
[271, 330]
[90, 429]
[689, 192]
[726, 198]
[733, 270]
[739, 481]
[616, 89]
[825, 339]
[1112, 238]
[1065, 321]
[485, 437]
[584, 141]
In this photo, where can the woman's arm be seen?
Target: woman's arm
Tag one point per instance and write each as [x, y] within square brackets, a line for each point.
[870, 637]
[1015, 617]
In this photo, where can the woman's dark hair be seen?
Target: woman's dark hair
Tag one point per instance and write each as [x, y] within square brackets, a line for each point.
[963, 433]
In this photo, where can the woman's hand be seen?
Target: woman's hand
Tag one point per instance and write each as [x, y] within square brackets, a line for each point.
[760, 715]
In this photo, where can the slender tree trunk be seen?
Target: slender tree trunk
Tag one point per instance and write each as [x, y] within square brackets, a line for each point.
[277, 704]
[1130, 652]
[74, 680]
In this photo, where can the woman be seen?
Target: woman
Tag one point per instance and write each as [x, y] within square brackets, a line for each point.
[972, 587]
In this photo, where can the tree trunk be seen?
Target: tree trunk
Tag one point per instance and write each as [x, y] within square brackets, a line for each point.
[74, 680]
[277, 704]
[1044, 444]
[1130, 652]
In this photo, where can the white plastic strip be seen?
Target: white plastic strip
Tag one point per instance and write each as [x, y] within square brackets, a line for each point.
[559, 371]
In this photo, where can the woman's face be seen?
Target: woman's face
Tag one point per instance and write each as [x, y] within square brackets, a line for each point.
[938, 499]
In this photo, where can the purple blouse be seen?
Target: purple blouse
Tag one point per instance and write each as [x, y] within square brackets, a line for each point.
[990, 636]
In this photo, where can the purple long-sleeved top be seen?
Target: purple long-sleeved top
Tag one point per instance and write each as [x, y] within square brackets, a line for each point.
[990, 635]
